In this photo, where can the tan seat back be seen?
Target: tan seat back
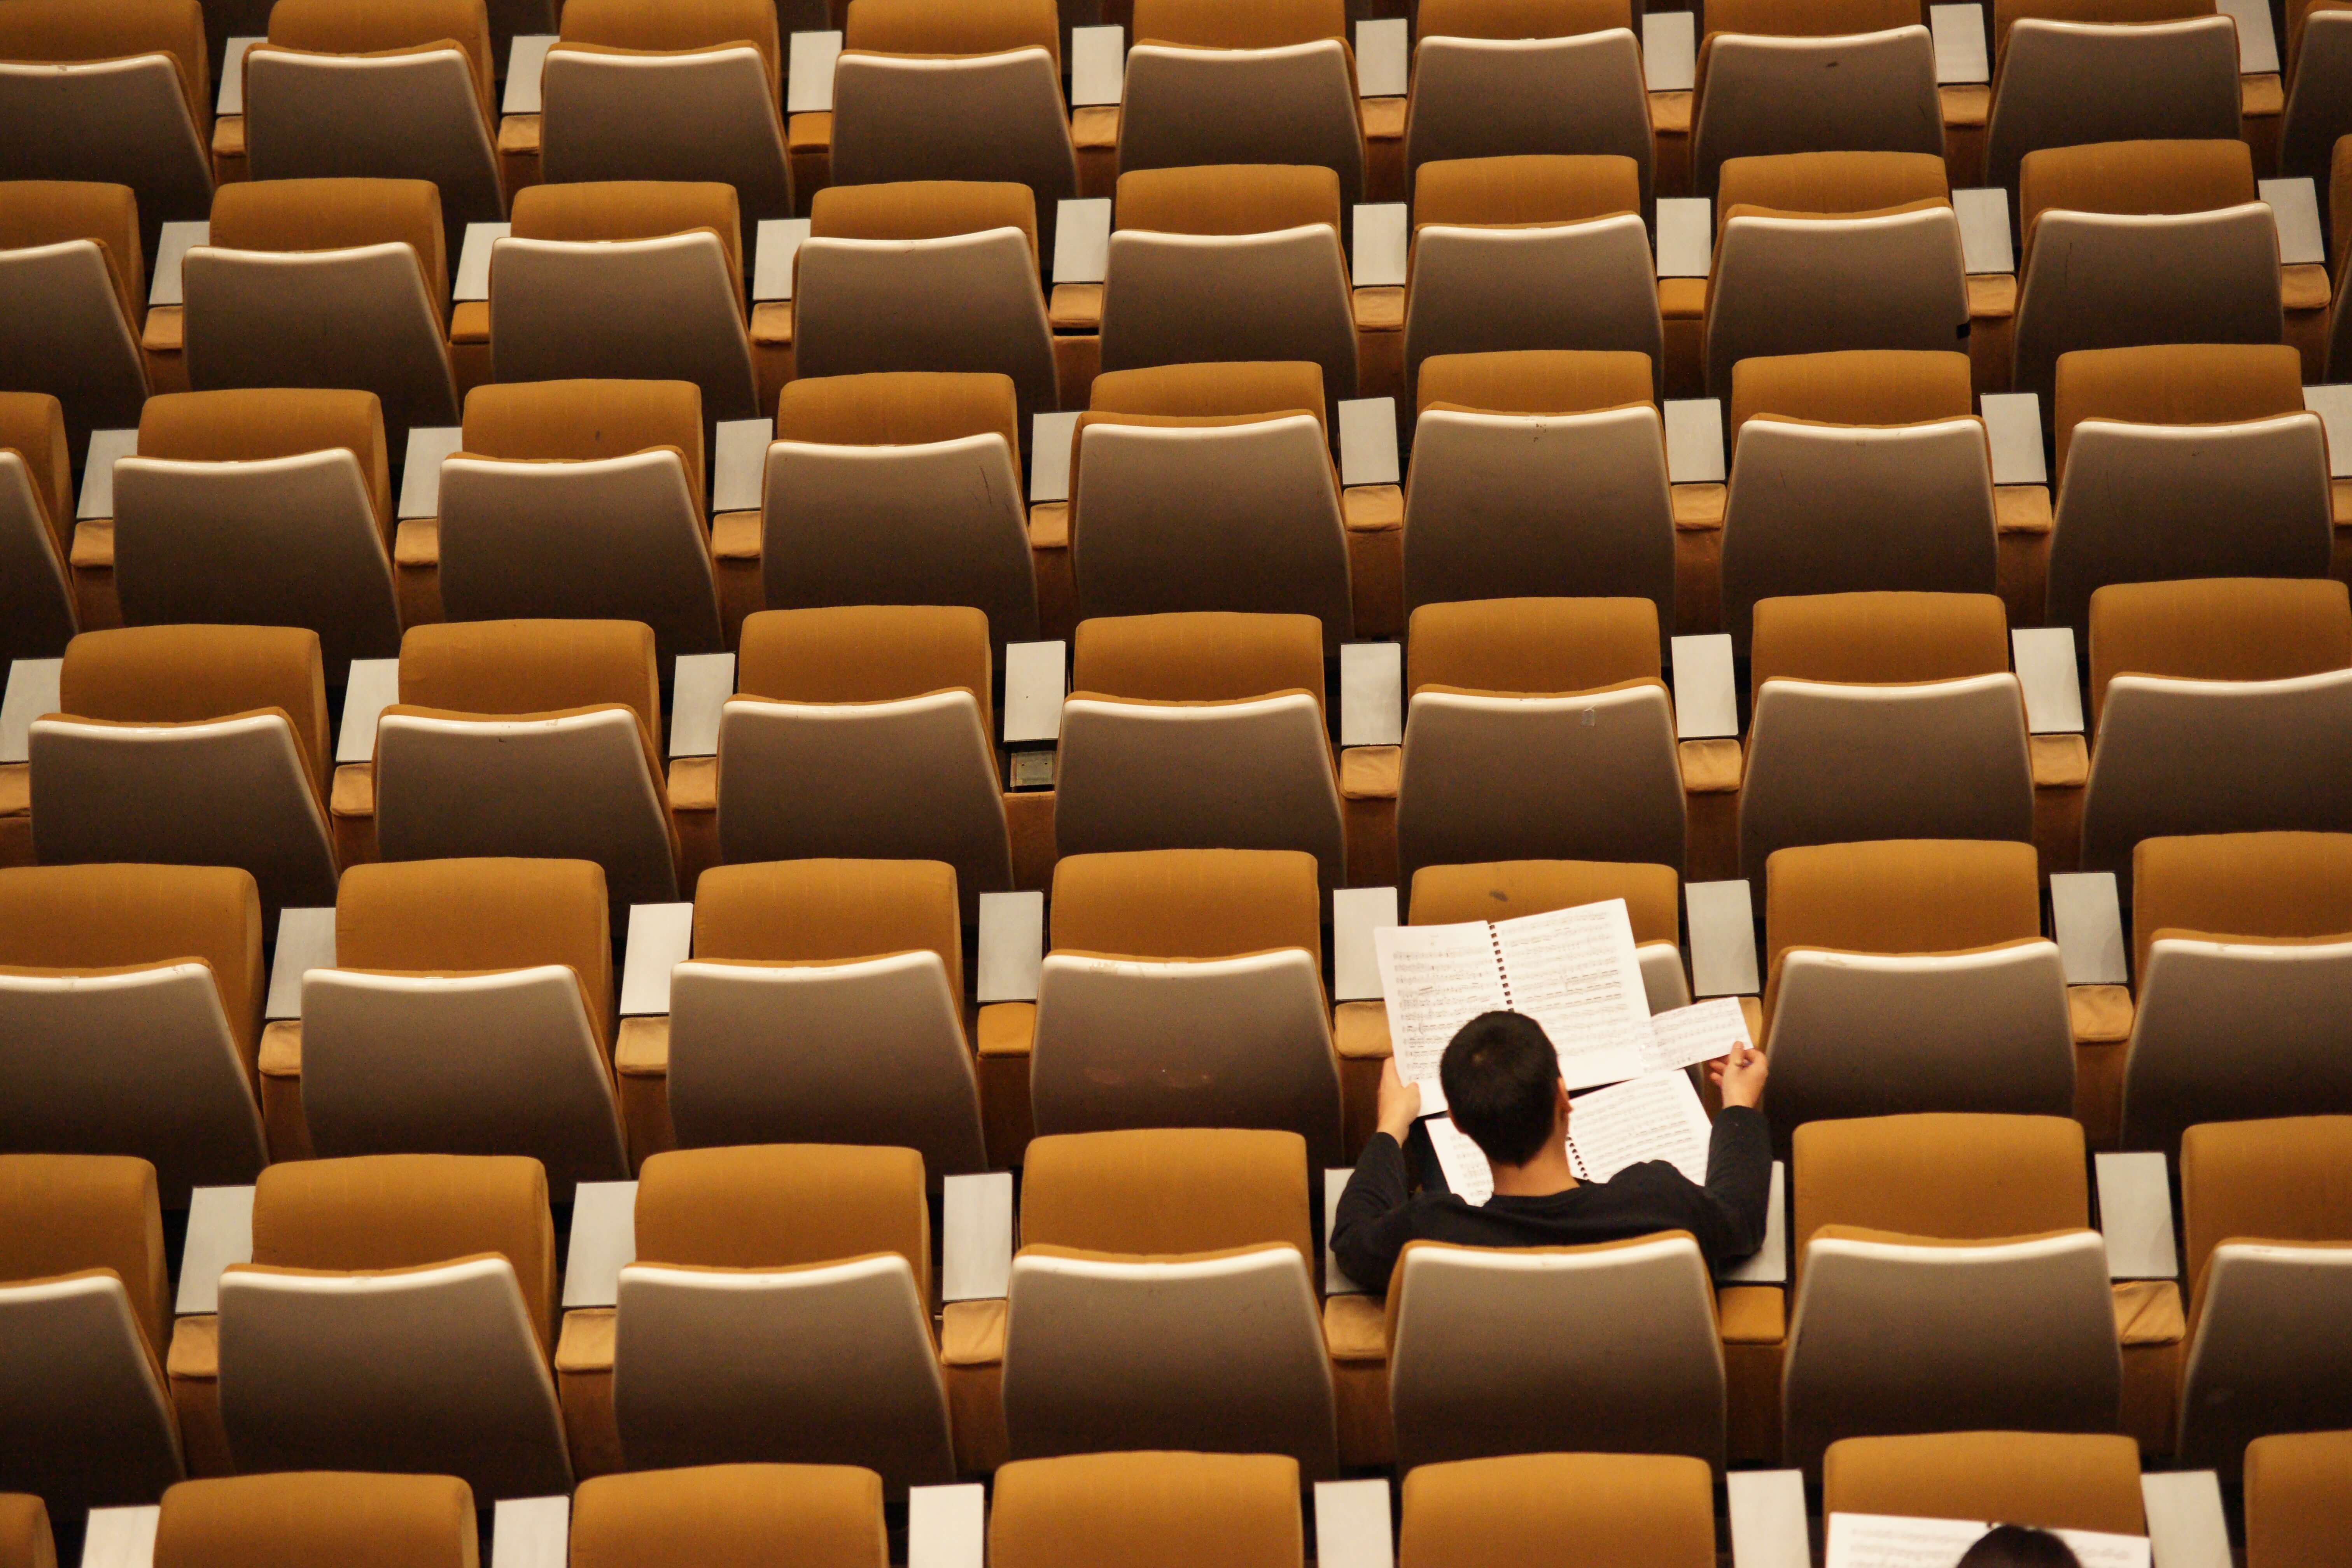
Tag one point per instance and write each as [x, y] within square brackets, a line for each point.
[2241, 886]
[866, 653]
[1525, 189]
[2279, 1181]
[585, 421]
[36, 603]
[1506, 889]
[1951, 1177]
[532, 666]
[1505, 19]
[336, 215]
[1610, 1511]
[783, 1205]
[2176, 383]
[250, 424]
[2048, 1481]
[2298, 1488]
[180, 675]
[923, 209]
[730, 1516]
[1204, 656]
[929, 27]
[602, 210]
[51, 212]
[2221, 628]
[1878, 638]
[673, 26]
[1149, 1510]
[1535, 381]
[1156, 1193]
[1853, 386]
[425, 1521]
[1532, 645]
[68, 1212]
[899, 408]
[64, 30]
[1187, 903]
[820, 911]
[1915, 896]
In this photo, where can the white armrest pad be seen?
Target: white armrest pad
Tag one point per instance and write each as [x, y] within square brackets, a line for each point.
[2136, 1217]
[1368, 441]
[232, 82]
[1378, 261]
[1694, 440]
[32, 691]
[1012, 946]
[2185, 1528]
[2083, 907]
[1768, 1264]
[1351, 1518]
[704, 683]
[809, 80]
[474, 261]
[1081, 240]
[1768, 1528]
[2013, 427]
[532, 1532]
[603, 1242]
[220, 1232]
[1049, 456]
[1670, 50]
[772, 263]
[525, 62]
[1383, 57]
[1098, 66]
[976, 1244]
[739, 469]
[1959, 45]
[1371, 688]
[2332, 403]
[374, 686]
[1685, 224]
[1707, 698]
[1355, 914]
[1983, 214]
[420, 472]
[947, 1527]
[660, 938]
[2257, 41]
[1035, 678]
[2294, 207]
[2045, 668]
[1722, 939]
[1335, 1278]
[175, 242]
[120, 1537]
[306, 940]
[98, 471]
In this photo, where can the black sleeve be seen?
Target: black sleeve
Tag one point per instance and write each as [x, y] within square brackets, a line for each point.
[1739, 1185]
[1371, 1226]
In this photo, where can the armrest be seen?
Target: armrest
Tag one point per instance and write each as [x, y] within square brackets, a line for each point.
[1367, 442]
[2257, 41]
[33, 685]
[2013, 427]
[1049, 456]
[1983, 213]
[220, 1232]
[420, 474]
[946, 1526]
[306, 940]
[1081, 240]
[1685, 224]
[2332, 403]
[2045, 671]
[2295, 208]
[1006, 1030]
[98, 472]
[1334, 1280]
[1770, 1263]
[374, 687]
[739, 469]
[603, 1242]
[2089, 921]
[1098, 66]
[1722, 939]
[532, 1532]
[1670, 51]
[1371, 683]
[1351, 1518]
[1768, 1520]
[1706, 697]
[1036, 678]
[1379, 258]
[120, 1537]
[1959, 45]
[778, 243]
[808, 78]
[2136, 1217]
[2185, 1528]
[976, 1240]
[526, 60]
[660, 938]
[1383, 59]
[1012, 946]
[175, 243]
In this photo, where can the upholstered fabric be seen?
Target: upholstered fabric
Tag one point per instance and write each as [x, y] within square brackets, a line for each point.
[1879, 639]
[1535, 1510]
[177, 675]
[1831, 182]
[2289, 1179]
[1220, 25]
[1188, 903]
[2007, 12]
[1203, 656]
[1231, 198]
[63, 1214]
[1158, 1192]
[301, 1517]
[1526, 190]
[806, 911]
[82, 30]
[866, 653]
[335, 214]
[2218, 629]
[1854, 387]
[1952, 1177]
[339, 28]
[247, 425]
[2176, 383]
[1810, 18]
[2243, 885]
[1535, 381]
[2049, 1481]
[1918, 895]
[581, 421]
[968, 28]
[1532, 644]
[1199, 391]
[2133, 177]
[24, 1538]
[2299, 1500]
[594, 210]
[1148, 1511]
[1506, 889]
[898, 408]
[922, 209]
[732, 1516]
[33, 426]
[668, 26]
[780, 1205]
[1521, 18]
[531, 666]
[50, 212]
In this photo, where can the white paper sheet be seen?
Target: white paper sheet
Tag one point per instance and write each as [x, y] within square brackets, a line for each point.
[1687, 1035]
[1884, 1540]
[1434, 979]
[1467, 1171]
[1654, 1118]
[1575, 972]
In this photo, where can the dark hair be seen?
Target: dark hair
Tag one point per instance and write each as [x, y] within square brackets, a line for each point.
[2018, 1546]
[1500, 1076]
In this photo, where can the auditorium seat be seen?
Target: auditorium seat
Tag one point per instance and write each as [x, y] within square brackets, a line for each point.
[323, 283]
[1596, 1510]
[1947, 1279]
[1883, 716]
[626, 279]
[468, 1011]
[1209, 81]
[1853, 77]
[2184, 460]
[1529, 253]
[399, 90]
[1538, 729]
[37, 613]
[1238, 261]
[1203, 730]
[1148, 1511]
[669, 90]
[2267, 1218]
[1497, 77]
[947, 90]
[2299, 1500]
[2318, 105]
[1911, 975]
[1540, 473]
[2240, 944]
[1502, 891]
[25, 1541]
[84, 1304]
[2127, 243]
[924, 275]
[112, 90]
[1855, 471]
[529, 738]
[866, 731]
[401, 1522]
[1817, 251]
[730, 1516]
[73, 294]
[2068, 72]
[824, 1004]
[870, 497]
[1185, 989]
[261, 506]
[2047, 1481]
[1163, 1293]
[395, 1317]
[1208, 487]
[132, 997]
[2217, 706]
[190, 746]
[779, 1310]
[582, 499]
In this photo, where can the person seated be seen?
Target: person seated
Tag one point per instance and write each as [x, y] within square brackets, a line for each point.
[1501, 1078]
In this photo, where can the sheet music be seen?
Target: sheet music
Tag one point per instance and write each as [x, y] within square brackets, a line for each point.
[1684, 1037]
[1574, 972]
[1464, 1163]
[1885, 1541]
[1654, 1118]
[1435, 979]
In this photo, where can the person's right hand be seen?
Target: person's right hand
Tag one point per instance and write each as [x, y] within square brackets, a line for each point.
[1740, 1075]
[1400, 1102]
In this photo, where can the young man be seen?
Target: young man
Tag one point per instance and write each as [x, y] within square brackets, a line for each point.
[1502, 1084]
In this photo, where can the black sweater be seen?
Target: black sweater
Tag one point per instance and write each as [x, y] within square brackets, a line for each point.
[1378, 1213]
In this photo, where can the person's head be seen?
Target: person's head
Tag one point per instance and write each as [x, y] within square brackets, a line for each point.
[2018, 1546]
[1501, 1078]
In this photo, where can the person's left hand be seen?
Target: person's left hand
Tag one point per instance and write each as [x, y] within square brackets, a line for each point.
[1399, 1104]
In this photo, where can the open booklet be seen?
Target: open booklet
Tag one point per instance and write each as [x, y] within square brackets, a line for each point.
[1654, 1117]
[1885, 1541]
